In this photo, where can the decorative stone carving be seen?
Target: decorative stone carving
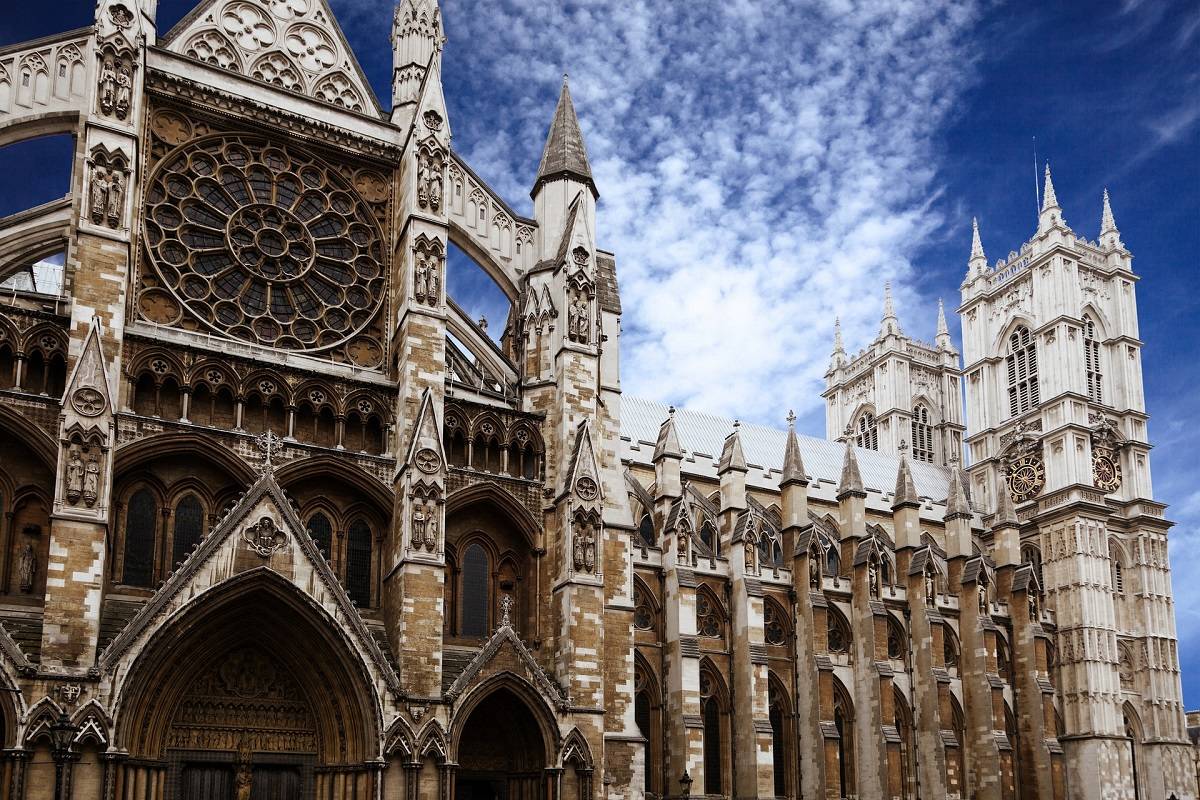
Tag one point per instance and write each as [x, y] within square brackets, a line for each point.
[431, 164]
[873, 578]
[27, 567]
[579, 317]
[749, 553]
[584, 543]
[75, 470]
[264, 537]
[427, 460]
[91, 480]
[106, 188]
[587, 489]
[88, 401]
[814, 569]
[930, 588]
[428, 259]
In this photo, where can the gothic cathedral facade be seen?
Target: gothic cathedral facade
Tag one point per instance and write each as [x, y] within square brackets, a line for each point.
[280, 520]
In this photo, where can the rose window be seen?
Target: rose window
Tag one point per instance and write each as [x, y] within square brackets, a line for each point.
[264, 244]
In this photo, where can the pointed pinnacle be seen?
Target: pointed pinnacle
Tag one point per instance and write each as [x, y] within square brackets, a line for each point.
[1049, 200]
[793, 464]
[732, 455]
[1107, 223]
[906, 490]
[837, 336]
[1006, 514]
[957, 504]
[889, 305]
[565, 154]
[851, 481]
[942, 328]
[668, 445]
[976, 242]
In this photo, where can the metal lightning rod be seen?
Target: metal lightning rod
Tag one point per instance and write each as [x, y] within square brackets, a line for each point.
[1037, 192]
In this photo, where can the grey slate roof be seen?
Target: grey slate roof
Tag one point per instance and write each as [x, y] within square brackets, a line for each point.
[702, 437]
[565, 153]
[606, 282]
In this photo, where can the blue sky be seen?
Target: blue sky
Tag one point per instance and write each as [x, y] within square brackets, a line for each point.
[776, 163]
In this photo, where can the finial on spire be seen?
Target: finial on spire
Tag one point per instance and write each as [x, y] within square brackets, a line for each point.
[1110, 237]
[791, 419]
[793, 464]
[851, 481]
[732, 455]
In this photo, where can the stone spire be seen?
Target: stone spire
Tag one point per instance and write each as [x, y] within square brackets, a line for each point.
[1006, 513]
[732, 455]
[793, 464]
[838, 358]
[1110, 237]
[890, 324]
[668, 438]
[851, 482]
[906, 490]
[565, 154]
[942, 340]
[1051, 215]
[957, 504]
[977, 263]
[417, 40]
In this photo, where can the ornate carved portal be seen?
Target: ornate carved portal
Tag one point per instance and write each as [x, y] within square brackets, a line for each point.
[244, 702]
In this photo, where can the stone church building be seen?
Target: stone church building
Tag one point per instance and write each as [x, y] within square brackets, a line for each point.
[280, 520]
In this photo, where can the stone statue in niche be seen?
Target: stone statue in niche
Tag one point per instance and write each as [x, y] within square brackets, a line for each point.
[578, 319]
[244, 782]
[124, 90]
[749, 548]
[585, 547]
[682, 541]
[930, 589]
[99, 194]
[814, 570]
[421, 278]
[418, 524]
[435, 283]
[873, 579]
[429, 180]
[983, 598]
[108, 86]
[1032, 600]
[116, 194]
[75, 469]
[27, 567]
[431, 529]
[91, 481]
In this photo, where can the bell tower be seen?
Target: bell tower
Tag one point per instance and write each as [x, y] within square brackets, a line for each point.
[897, 393]
[1052, 366]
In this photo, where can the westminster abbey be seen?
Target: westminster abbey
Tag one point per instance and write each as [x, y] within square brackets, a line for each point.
[282, 522]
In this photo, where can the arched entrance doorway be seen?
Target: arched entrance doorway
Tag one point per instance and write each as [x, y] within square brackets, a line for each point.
[502, 753]
[251, 686]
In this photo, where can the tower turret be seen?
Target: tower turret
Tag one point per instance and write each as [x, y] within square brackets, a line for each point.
[1110, 237]
[417, 40]
[564, 174]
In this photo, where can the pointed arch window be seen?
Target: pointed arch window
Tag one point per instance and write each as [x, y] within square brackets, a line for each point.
[867, 433]
[922, 435]
[843, 721]
[780, 751]
[141, 521]
[358, 563]
[710, 707]
[833, 562]
[646, 530]
[1117, 568]
[322, 533]
[1031, 555]
[1022, 372]
[837, 632]
[189, 528]
[475, 591]
[775, 623]
[708, 537]
[710, 621]
[1091, 360]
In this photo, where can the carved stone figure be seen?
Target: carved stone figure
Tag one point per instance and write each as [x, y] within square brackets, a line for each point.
[91, 481]
[814, 571]
[431, 531]
[99, 194]
[873, 579]
[1032, 600]
[116, 195]
[983, 598]
[435, 283]
[682, 544]
[27, 567]
[930, 589]
[749, 547]
[108, 86]
[244, 782]
[435, 190]
[74, 477]
[421, 279]
[423, 180]
[577, 551]
[124, 91]
[418, 525]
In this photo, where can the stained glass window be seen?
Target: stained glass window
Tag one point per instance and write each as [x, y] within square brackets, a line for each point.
[358, 563]
[189, 527]
[475, 592]
[141, 523]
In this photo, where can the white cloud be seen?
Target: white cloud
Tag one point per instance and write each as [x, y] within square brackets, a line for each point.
[762, 168]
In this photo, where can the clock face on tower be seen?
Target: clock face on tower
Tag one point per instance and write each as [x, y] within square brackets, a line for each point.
[1106, 472]
[264, 243]
[1026, 477]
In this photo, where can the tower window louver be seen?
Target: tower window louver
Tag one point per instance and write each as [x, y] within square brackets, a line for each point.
[922, 435]
[1022, 372]
[1091, 361]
